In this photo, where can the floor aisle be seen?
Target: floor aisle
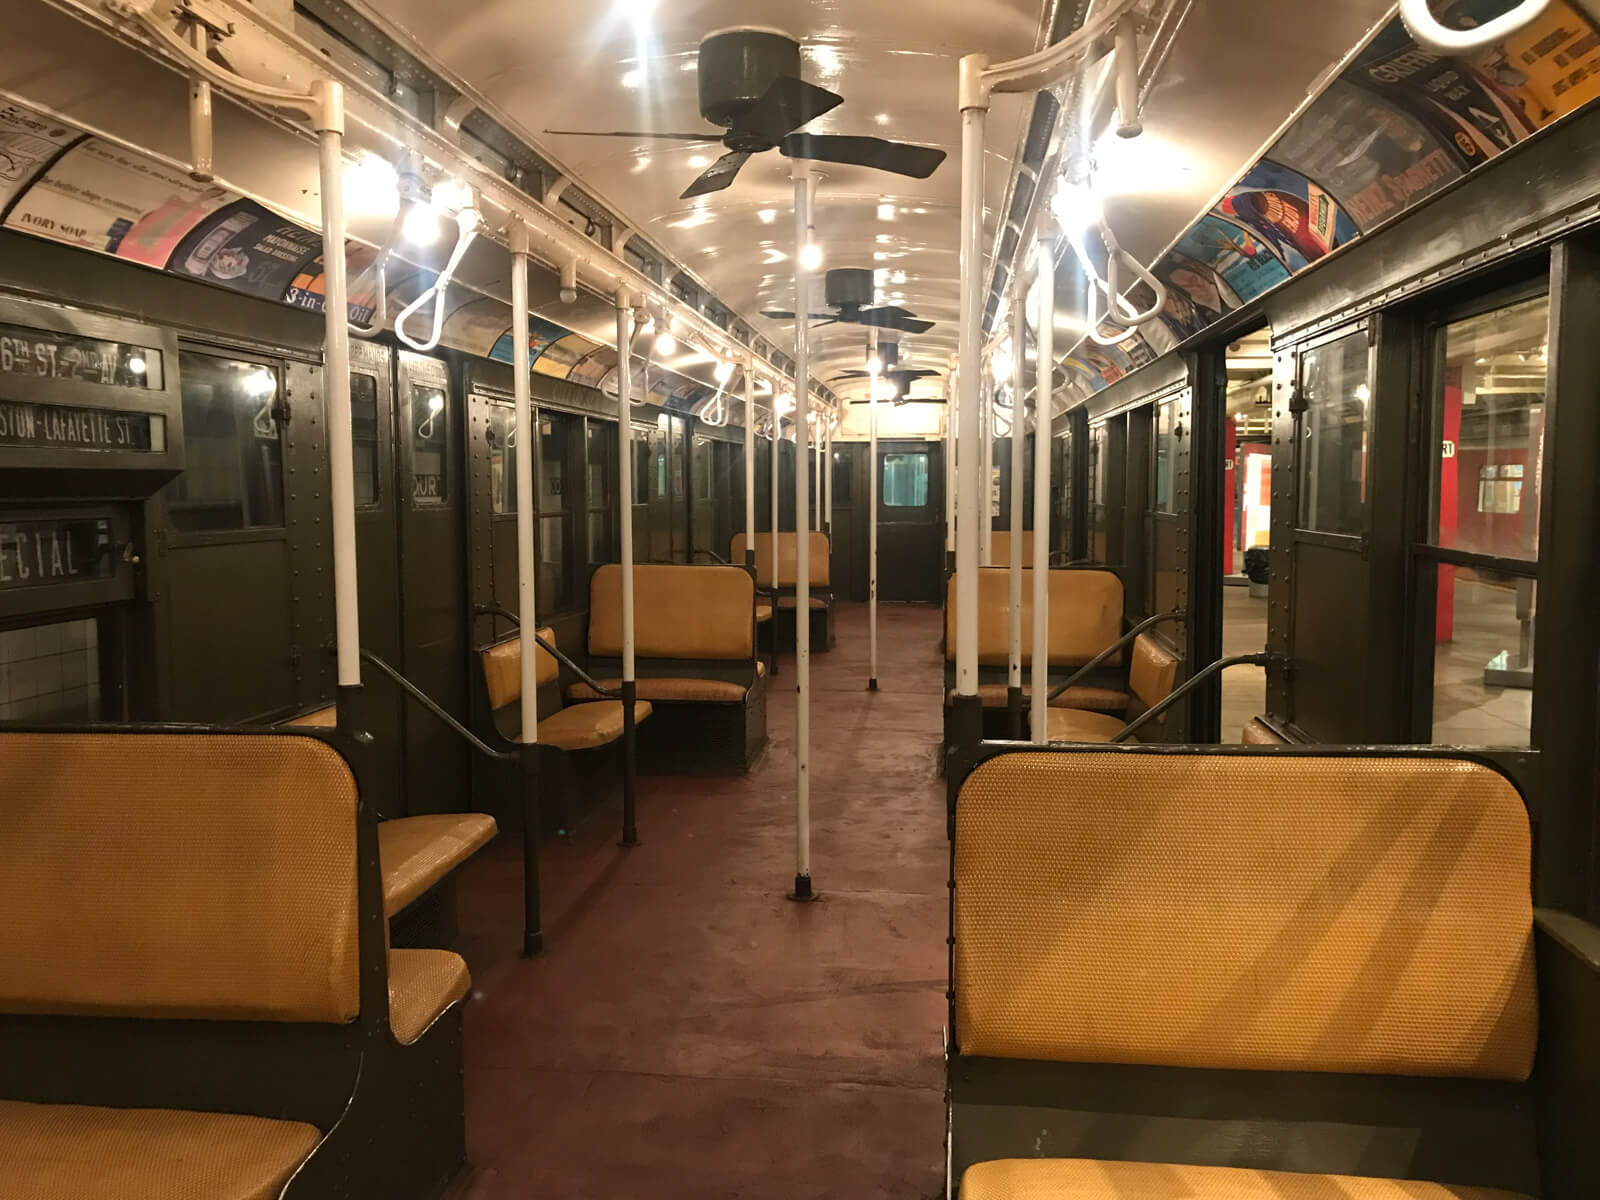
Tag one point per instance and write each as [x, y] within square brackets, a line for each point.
[688, 1031]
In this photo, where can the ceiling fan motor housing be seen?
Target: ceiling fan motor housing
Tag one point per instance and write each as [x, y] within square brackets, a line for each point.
[848, 287]
[737, 66]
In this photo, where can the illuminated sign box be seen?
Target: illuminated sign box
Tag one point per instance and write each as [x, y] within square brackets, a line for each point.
[75, 428]
[55, 551]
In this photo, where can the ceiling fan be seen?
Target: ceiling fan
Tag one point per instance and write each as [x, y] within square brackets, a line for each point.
[900, 377]
[848, 290]
[750, 85]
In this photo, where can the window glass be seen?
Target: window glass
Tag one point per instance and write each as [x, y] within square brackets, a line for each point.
[905, 480]
[552, 462]
[1333, 435]
[553, 592]
[429, 445]
[502, 436]
[1489, 411]
[1483, 657]
[705, 483]
[644, 449]
[364, 439]
[233, 472]
[659, 448]
[1165, 457]
[841, 479]
[601, 448]
[679, 437]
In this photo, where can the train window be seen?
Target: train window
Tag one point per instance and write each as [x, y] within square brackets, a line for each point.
[429, 445]
[1165, 458]
[1336, 394]
[364, 438]
[601, 454]
[50, 674]
[1482, 656]
[1489, 413]
[841, 479]
[554, 583]
[905, 480]
[502, 437]
[705, 483]
[233, 477]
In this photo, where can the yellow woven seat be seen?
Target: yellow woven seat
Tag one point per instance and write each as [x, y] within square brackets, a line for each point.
[585, 726]
[763, 613]
[325, 717]
[666, 687]
[817, 602]
[78, 1152]
[1076, 725]
[415, 853]
[422, 984]
[1088, 1179]
[994, 695]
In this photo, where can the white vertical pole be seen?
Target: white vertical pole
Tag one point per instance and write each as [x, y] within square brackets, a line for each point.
[527, 612]
[750, 461]
[989, 387]
[336, 381]
[772, 495]
[827, 475]
[818, 518]
[952, 412]
[872, 521]
[802, 549]
[1019, 383]
[624, 301]
[974, 111]
[1043, 413]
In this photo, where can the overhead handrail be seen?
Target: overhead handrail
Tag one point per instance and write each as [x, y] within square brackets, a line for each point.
[495, 610]
[1260, 659]
[1176, 614]
[468, 221]
[1428, 33]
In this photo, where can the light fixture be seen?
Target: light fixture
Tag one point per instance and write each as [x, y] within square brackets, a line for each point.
[1002, 363]
[874, 365]
[767, 215]
[885, 212]
[649, 325]
[810, 256]
[666, 343]
[137, 365]
[1076, 208]
[633, 79]
[1127, 166]
[786, 402]
[763, 387]
[724, 371]
[637, 11]
[371, 184]
[451, 196]
[697, 161]
[886, 389]
[421, 227]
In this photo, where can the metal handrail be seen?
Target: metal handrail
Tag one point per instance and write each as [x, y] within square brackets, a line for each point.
[426, 701]
[1260, 659]
[495, 610]
[715, 555]
[1176, 614]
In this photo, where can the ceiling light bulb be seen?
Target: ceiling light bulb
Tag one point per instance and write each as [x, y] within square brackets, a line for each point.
[1077, 209]
[435, 403]
[724, 371]
[810, 256]
[767, 215]
[885, 389]
[633, 80]
[874, 365]
[786, 402]
[649, 325]
[666, 343]
[697, 161]
[885, 212]
[451, 195]
[1002, 364]
[421, 226]
[371, 184]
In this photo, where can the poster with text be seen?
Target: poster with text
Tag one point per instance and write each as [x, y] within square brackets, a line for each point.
[1294, 216]
[1372, 158]
[1248, 265]
[1546, 69]
[102, 197]
[28, 140]
[557, 358]
[594, 367]
[309, 288]
[247, 249]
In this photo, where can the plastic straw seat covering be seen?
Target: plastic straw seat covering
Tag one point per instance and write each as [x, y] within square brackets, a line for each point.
[1085, 616]
[1087, 1179]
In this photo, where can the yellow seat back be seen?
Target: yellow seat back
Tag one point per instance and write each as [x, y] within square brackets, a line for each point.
[817, 566]
[178, 875]
[679, 612]
[1352, 914]
[502, 668]
[1001, 543]
[1085, 616]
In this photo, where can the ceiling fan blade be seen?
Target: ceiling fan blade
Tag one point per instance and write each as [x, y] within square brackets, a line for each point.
[779, 316]
[825, 318]
[915, 373]
[787, 104]
[899, 158]
[717, 176]
[894, 318]
[851, 375]
[710, 135]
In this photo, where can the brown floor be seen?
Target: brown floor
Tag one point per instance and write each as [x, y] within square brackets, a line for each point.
[688, 1031]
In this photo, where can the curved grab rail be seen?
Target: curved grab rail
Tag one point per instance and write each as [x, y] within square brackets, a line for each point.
[1428, 33]
[495, 610]
[426, 701]
[1176, 614]
[467, 222]
[1262, 659]
[1121, 315]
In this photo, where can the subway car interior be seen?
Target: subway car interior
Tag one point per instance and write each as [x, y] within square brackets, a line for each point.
[773, 599]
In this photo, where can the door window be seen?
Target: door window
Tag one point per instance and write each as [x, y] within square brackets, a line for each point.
[1337, 398]
[364, 439]
[233, 472]
[430, 429]
[905, 480]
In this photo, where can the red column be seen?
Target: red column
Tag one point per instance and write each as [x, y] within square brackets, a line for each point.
[1230, 493]
[1449, 502]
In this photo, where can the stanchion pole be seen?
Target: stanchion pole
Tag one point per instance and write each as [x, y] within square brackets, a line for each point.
[1043, 413]
[872, 516]
[624, 299]
[1015, 522]
[802, 550]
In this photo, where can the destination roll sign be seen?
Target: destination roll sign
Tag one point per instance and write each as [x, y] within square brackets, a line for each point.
[62, 550]
[74, 428]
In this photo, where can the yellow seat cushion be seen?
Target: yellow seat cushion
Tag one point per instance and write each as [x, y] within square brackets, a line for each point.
[817, 602]
[417, 852]
[325, 717]
[76, 1152]
[1076, 725]
[1256, 732]
[1088, 1179]
[667, 687]
[763, 613]
[422, 984]
[585, 726]
[994, 695]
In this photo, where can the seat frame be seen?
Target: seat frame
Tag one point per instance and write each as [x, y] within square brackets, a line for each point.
[391, 1115]
[1535, 1137]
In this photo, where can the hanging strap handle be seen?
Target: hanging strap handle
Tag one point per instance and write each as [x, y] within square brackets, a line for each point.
[1426, 31]
[467, 222]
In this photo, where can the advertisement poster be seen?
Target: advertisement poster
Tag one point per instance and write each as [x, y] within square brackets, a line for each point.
[1296, 218]
[475, 326]
[594, 367]
[245, 248]
[101, 197]
[1373, 158]
[560, 356]
[28, 140]
[541, 335]
[1545, 70]
[308, 288]
[1238, 257]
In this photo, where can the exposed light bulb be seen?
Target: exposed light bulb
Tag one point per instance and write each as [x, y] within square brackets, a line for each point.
[1002, 363]
[767, 215]
[1077, 209]
[874, 365]
[724, 371]
[435, 403]
[371, 184]
[451, 195]
[666, 343]
[786, 402]
[885, 389]
[810, 256]
[885, 212]
[421, 226]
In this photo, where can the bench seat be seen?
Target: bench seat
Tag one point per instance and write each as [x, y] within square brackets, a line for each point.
[585, 726]
[80, 1152]
[417, 852]
[1076, 725]
[662, 687]
[763, 613]
[1091, 1179]
[996, 695]
[422, 985]
[818, 603]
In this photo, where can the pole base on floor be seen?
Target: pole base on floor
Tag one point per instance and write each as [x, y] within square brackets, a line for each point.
[802, 889]
[872, 685]
[532, 945]
[628, 843]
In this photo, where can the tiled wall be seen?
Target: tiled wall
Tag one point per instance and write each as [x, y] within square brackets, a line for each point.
[50, 673]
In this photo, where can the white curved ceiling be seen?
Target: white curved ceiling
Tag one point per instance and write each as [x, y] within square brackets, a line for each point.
[1239, 68]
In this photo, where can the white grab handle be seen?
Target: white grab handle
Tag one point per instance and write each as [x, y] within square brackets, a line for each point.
[1120, 313]
[467, 221]
[1426, 31]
